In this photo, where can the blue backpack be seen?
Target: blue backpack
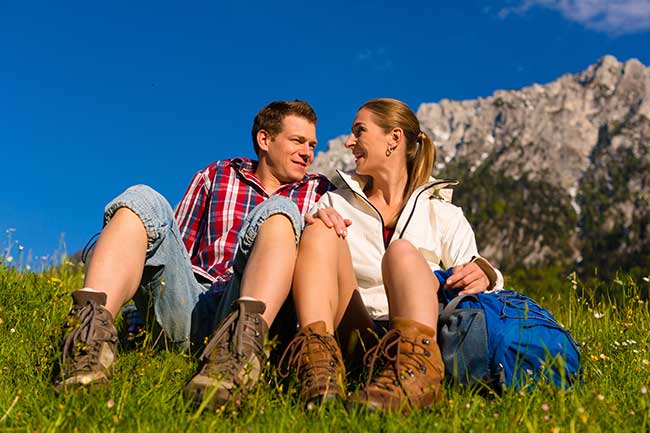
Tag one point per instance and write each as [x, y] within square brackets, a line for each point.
[503, 339]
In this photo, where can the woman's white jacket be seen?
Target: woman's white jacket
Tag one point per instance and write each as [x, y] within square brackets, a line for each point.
[437, 228]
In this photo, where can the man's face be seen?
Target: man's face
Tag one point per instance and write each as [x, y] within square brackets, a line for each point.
[291, 151]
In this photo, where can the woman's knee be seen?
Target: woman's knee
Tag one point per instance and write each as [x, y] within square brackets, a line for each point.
[400, 254]
[318, 233]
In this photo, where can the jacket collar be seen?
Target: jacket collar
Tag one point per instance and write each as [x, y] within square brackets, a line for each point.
[437, 188]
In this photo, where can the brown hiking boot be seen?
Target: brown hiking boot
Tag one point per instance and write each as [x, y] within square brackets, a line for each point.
[90, 343]
[411, 374]
[233, 358]
[318, 364]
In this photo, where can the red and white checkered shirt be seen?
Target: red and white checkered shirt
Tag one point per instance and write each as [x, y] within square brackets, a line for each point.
[216, 203]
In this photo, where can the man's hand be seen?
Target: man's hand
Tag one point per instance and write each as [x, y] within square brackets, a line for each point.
[470, 277]
[332, 219]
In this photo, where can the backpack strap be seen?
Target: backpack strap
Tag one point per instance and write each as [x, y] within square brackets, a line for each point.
[453, 304]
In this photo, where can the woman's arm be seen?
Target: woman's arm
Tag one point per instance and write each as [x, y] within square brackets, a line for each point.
[471, 272]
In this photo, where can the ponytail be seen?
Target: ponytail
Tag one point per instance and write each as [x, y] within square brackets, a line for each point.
[419, 163]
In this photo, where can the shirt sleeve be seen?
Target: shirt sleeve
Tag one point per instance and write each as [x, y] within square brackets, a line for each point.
[192, 208]
[459, 243]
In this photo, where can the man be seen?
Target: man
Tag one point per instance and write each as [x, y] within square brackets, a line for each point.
[225, 257]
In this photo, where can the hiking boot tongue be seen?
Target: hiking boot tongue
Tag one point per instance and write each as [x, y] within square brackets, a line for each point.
[412, 331]
[250, 306]
[316, 328]
[247, 336]
[82, 297]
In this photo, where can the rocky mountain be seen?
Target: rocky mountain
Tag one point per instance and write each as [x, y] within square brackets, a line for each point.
[550, 174]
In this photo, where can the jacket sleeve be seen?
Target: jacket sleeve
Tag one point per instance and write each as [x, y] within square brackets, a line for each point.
[459, 244]
[190, 212]
[325, 201]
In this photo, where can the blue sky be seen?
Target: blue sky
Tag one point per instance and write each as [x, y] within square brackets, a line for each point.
[97, 96]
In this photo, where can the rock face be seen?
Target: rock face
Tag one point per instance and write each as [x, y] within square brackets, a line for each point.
[554, 173]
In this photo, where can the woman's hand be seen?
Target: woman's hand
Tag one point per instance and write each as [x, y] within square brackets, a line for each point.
[470, 277]
[332, 219]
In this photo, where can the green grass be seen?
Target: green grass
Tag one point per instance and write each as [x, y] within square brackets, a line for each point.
[145, 394]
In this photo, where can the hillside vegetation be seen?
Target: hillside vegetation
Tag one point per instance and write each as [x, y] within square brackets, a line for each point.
[612, 327]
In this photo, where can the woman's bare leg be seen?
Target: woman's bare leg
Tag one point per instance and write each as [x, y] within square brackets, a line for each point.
[323, 280]
[411, 286]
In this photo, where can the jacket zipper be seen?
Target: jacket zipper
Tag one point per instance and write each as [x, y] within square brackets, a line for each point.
[417, 197]
[408, 220]
[364, 199]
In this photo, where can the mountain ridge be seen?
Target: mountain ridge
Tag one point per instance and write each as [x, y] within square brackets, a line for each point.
[550, 172]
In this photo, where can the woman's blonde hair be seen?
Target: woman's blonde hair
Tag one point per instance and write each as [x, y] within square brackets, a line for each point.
[420, 152]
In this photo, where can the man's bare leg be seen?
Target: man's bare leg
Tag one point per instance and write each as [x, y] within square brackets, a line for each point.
[117, 261]
[270, 265]
[113, 276]
[236, 354]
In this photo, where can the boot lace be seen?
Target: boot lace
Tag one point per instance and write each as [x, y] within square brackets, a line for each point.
[81, 346]
[226, 352]
[398, 364]
[321, 362]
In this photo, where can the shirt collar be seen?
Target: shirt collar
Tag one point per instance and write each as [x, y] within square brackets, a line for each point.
[246, 167]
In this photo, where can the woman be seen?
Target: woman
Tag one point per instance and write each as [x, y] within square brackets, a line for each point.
[383, 231]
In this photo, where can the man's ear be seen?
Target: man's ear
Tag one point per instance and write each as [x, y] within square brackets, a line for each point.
[264, 139]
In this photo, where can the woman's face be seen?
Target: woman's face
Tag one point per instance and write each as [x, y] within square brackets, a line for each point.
[368, 143]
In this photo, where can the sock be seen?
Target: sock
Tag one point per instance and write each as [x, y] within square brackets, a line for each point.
[83, 296]
[89, 289]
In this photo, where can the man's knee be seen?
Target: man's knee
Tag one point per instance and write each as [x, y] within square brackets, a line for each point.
[280, 213]
[278, 225]
[153, 199]
[149, 205]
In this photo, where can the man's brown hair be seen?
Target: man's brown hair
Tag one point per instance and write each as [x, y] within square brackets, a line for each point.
[270, 117]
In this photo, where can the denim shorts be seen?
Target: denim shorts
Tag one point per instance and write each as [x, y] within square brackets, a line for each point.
[187, 307]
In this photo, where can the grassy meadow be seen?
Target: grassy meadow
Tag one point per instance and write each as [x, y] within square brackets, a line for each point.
[611, 321]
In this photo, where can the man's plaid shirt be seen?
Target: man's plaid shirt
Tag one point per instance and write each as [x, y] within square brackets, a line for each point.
[215, 205]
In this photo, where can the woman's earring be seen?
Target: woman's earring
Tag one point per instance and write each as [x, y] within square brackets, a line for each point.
[390, 150]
